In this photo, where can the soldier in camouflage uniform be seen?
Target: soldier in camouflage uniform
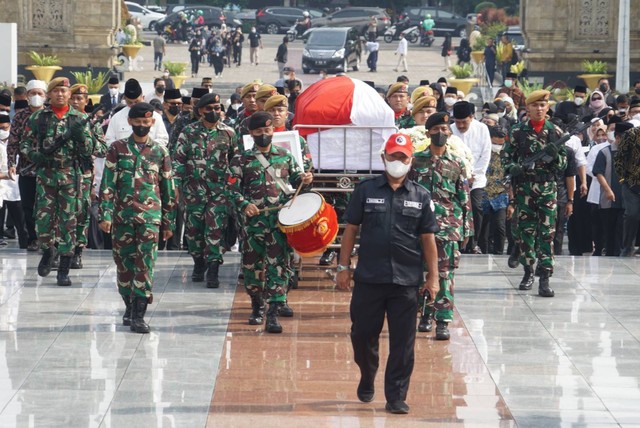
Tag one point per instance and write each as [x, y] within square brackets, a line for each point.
[248, 97]
[259, 179]
[535, 189]
[185, 118]
[442, 173]
[200, 164]
[58, 140]
[136, 206]
[398, 99]
[79, 99]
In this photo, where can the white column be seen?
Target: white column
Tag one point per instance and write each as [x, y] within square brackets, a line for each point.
[622, 64]
[9, 49]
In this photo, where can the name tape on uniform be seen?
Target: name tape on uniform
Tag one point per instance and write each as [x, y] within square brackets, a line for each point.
[375, 201]
[412, 204]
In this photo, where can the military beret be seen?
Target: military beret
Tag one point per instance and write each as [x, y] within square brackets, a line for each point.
[423, 102]
[421, 91]
[580, 88]
[199, 92]
[265, 91]
[132, 89]
[79, 88]
[36, 84]
[398, 87]
[5, 118]
[539, 95]
[5, 100]
[490, 107]
[248, 88]
[186, 100]
[113, 80]
[276, 101]
[172, 94]
[622, 127]
[463, 109]
[259, 119]
[208, 99]
[512, 75]
[58, 81]
[451, 90]
[439, 118]
[141, 110]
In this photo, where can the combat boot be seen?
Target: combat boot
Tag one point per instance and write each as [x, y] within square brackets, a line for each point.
[138, 309]
[257, 310]
[199, 269]
[126, 318]
[63, 271]
[513, 257]
[442, 330]
[76, 261]
[285, 310]
[543, 284]
[527, 279]
[44, 267]
[212, 275]
[426, 322]
[273, 325]
[55, 263]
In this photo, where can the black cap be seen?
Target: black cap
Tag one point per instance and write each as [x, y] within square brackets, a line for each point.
[442, 80]
[259, 119]
[463, 109]
[499, 104]
[512, 75]
[424, 83]
[614, 119]
[622, 127]
[5, 100]
[497, 132]
[172, 94]
[132, 89]
[235, 97]
[186, 100]
[451, 90]
[5, 118]
[370, 83]
[635, 102]
[208, 99]
[199, 92]
[491, 107]
[439, 118]
[580, 88]
[141, 110]
[113, 80]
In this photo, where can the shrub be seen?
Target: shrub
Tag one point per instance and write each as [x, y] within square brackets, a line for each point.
[594, 67]
[461, 71]
[43, 60]
[94, 84]
[175, 68]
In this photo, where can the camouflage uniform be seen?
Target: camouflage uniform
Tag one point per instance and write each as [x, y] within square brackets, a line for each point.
[443, 176]
[404, 119]
[183, 120]
[137, 196]
[535, 192]
[241, 126]
[200, 165]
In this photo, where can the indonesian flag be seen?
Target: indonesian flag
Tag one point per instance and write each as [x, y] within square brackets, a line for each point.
[342, 100]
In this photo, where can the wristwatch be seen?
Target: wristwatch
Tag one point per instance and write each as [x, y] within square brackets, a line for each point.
[570, 201]
[341, 268]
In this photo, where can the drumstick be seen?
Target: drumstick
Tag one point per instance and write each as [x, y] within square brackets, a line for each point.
[297, 192]
[263, 210]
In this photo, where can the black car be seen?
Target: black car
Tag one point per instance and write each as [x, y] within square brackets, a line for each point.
[446, 22]
[213, 17]
[332, 49]
[278, 19]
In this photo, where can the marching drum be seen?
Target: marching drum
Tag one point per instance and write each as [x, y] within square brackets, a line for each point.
[310, 224]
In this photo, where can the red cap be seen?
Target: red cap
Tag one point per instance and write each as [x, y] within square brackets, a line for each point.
[399, 143]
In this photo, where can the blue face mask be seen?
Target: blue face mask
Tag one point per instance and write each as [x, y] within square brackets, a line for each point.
[508, 83]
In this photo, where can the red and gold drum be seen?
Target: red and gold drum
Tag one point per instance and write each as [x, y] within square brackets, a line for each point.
[310, 224]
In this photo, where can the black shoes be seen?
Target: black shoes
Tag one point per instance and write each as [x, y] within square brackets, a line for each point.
[126, 318]
[199, 269]
[426, 323]
[543, 285]
[366, 391]
[513, 257]
[442, 330]
[257, 310]
[63, 271]
[397, 407]
[327, 257]
[76, 261]
[273, 325]
[33, 246]
[44, 267]
[527, 279]
[285, 310]
[138, 309]
[212, 275]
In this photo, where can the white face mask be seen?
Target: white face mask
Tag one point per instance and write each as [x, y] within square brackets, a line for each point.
[636, 117]
[113, 92]
[578, 101]
[508, 83]
[501, 113]
[450, 101]
[235, 106]
[4, 134]
[495, 148]
[397, 169]
[611, 136]
[36, 101]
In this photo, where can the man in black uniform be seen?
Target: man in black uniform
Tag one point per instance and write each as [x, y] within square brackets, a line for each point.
[398, 223]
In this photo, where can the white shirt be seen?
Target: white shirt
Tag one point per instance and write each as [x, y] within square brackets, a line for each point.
[478, 140]
[593, 196]
[402, 47]
[153, 96]
[575, 144]
[9, 190]
[373, 46]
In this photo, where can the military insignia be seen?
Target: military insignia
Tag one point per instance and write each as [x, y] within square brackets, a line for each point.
[445, 118]
[256, 87]
[400, 140]
[148, 114]
[65, 82]
[267, 123]
[375, 201]
[432, 206]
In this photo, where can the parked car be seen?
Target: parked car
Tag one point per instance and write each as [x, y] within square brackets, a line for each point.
[517, 39]
[278, 19]
[357, 17]
[446, 22]
[213, 17]
[332, 49]
[147, 17]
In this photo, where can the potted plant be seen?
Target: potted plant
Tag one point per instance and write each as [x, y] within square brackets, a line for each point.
[176, 72]
[477, 50]
[462, 77]
[44, 66]
[593, 71]
[131, 45]
[94, 83]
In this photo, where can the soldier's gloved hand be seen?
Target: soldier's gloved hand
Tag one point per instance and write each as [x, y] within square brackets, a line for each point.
[516, 171]
[76, 131]
[551, 150]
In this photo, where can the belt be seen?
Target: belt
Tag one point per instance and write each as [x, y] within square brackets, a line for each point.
[539, 178]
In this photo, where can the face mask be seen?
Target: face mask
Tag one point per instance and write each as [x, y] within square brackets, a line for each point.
[211, 117]
[174, 110]
[638, 91]
[4, 134]
[508, 83]
[262, 140]
[235, 106]
[450, 101]
[501, 113]
[622, 111]
[636, 117]
[597, 104]
[396, 169]
[604, 88]
[141, 131]
[439, 139]
[578, 101]
[165, 75]
[495, 148]
[160, 89]
[113, 92]
[36, 101]
[611, 136]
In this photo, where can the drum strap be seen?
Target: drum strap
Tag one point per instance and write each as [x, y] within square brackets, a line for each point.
[279, 181]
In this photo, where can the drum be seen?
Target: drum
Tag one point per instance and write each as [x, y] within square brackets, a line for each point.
[310, 224]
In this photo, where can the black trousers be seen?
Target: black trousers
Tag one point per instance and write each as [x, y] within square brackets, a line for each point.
[476, 209]
[494, 230]
[369, 305]
[578, 225]
[561, 219]
[14, 212]
[27, 186]
[597, 234]
[611, 220]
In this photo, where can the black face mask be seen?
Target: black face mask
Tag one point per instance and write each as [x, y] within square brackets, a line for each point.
[160, 89]
[174, 110]
[262, 140]
[439, 139]
[604, 88]
[141, 131]
[211, 117]
[638, 91]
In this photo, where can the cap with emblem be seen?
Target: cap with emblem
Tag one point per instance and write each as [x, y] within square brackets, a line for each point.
[276, 101]
[79, 88]
[451, 90]
[539, 95]
[199, 92]
[58, 82]
[172, 94]
[622, 127]
[113, 80]
[249, 88]
[36, 84]
[259, 119]
[439, 118]
[423, 102]
[265, 91]
[132, 89]
[139, 110]
[398, 87]
[288, 69]
[399, 143]
[463, 109]
[208, 99]
[497, 132]
[421, 91]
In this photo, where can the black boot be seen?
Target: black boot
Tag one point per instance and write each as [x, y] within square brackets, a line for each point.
[55, 263]
[212, 275]
[442, 330]
[76, 261]
[126, 318]
[63, 271]
[527, 279]
[273, 325]
[543, 284]
[513, 257]
[285, 310]
[426, 322]
[138, 309]
[199, 269]
[293, 280]
[44, 267]
[257, 310]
